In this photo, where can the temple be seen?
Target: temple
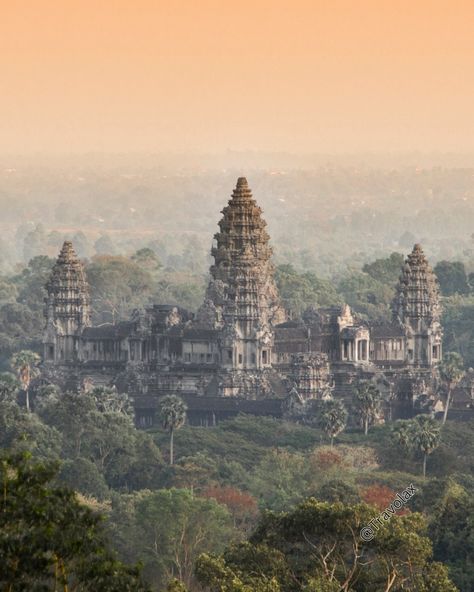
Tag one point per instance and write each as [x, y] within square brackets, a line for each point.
[240, 351]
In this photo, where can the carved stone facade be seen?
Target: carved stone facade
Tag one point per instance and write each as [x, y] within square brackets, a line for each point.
[67, 307]
[240, 344]
[416, 308]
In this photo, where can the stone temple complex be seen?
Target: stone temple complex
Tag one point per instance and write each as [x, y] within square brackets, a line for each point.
[240, 351]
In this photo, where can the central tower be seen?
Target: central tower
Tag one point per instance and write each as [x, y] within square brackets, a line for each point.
[242, 299]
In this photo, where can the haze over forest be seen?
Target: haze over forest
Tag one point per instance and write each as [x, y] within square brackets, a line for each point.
[324, 213]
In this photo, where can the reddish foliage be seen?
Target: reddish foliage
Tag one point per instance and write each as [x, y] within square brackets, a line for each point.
[326, 459]
[381, 497]
[241, 505]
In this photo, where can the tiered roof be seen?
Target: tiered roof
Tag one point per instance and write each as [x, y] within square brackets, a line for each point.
[242, 271]
[417, 294]
[68, 291]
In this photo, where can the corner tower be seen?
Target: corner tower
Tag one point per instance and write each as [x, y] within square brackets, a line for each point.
[67, 307]
[242, 299]
[416, 307]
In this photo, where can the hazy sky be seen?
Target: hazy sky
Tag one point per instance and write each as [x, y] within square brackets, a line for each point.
[204, 75]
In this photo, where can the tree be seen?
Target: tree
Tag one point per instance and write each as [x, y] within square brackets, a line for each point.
[452, 534]
[426, 436]
[25, 363]
[173, 527]
[452, 277]
[337, 490]
[9, 386]
[380, 496]
[118, 286]
[367, 400]
[421, 435]
[300, 291]
[105, 435]
[366, 295]
[333, 418]
[22, 431]
[147, 259]
[241, 505]
[451, 372]
[402, 434]
[172, 416]
[386, 270]
[109, 400]
[49, 541]
[318, 547]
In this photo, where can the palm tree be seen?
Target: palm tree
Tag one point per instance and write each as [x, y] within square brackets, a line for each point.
[172, 416]
[25, 363]
[333, 418]
[402, 434]
[426, 436]
[367, 399]
[451, 372]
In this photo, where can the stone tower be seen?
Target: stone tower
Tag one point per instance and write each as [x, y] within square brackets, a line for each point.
[242, 299]
[416, 307]
[67, 307]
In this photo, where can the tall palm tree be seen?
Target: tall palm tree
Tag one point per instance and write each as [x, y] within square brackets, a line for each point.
[172, 416]
[367, 400]
[426, 436]
[333, 418]
[451, 372]
[25, 363]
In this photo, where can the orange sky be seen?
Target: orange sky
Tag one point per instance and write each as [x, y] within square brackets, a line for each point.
[205, 75]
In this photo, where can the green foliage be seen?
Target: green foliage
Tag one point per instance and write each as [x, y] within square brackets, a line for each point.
[421, 434]
[118, 286]
[458, 324]
[452, 277]
[367, 402]
[9, 386]
[171, 528]
[451, 372]
[453, 535]
[333, 418]
[337, 490]
[366, 295]
[386, 271]
[317, 546]
[172, 417]
[107, 438]
[451, 368]
[280, 479]
[300, 291]
[48, 540]
[23, 431]
[82, 475]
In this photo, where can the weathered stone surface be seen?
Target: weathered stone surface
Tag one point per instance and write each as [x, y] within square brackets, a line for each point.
[417, 309]
[240, 345]
[67, 306]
